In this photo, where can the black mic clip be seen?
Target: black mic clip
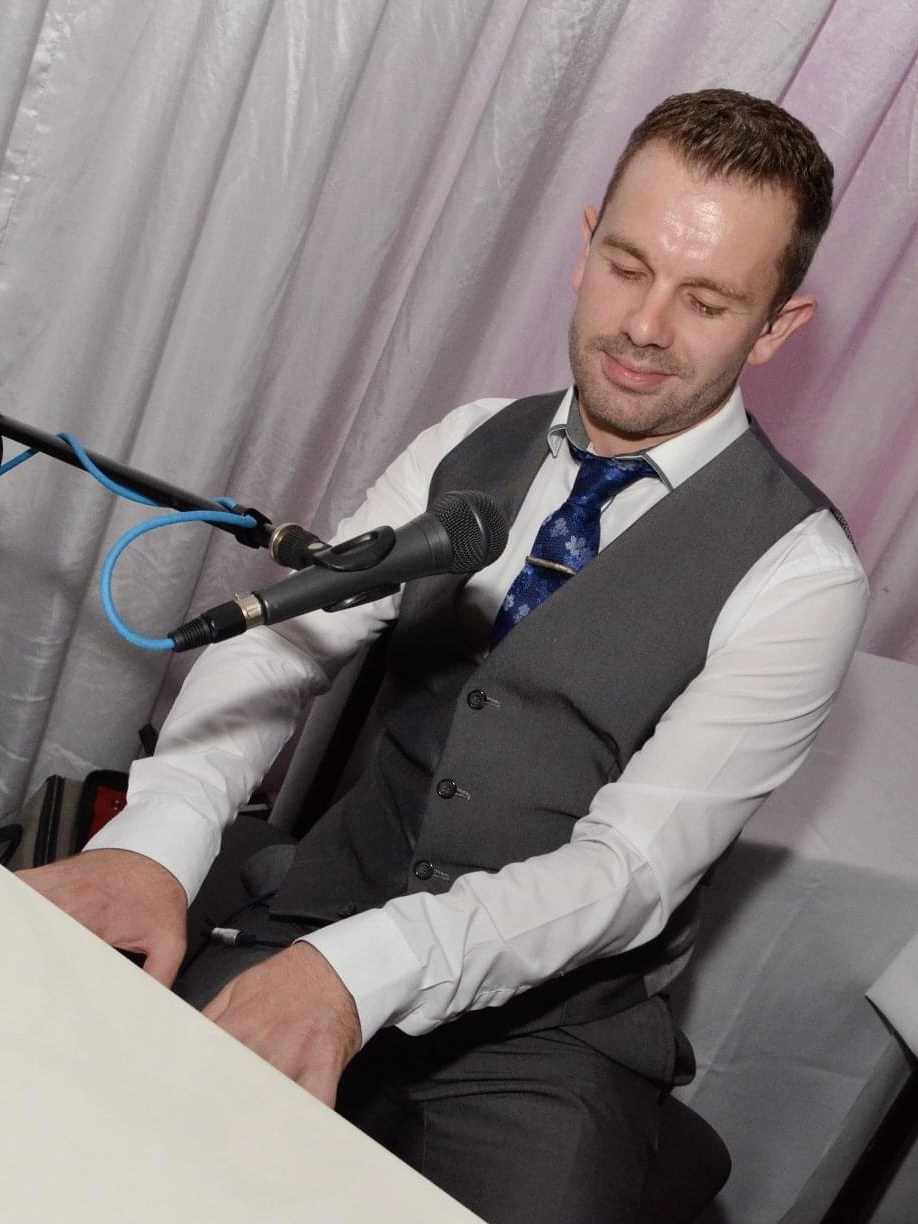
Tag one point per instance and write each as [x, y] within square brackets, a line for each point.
[296, 548]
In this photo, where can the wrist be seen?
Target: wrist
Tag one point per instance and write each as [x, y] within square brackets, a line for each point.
[322, 982]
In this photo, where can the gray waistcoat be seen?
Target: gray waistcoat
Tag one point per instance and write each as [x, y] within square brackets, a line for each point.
[483, 764]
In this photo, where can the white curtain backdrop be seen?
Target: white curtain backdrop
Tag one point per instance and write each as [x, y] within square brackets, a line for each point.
[254, 246]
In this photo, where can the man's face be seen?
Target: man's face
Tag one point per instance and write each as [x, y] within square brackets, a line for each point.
[674, 288]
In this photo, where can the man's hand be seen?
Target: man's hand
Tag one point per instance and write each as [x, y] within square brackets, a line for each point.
[127, 899]
[295, 1012]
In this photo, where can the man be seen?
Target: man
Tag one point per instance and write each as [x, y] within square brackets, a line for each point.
[568, 747]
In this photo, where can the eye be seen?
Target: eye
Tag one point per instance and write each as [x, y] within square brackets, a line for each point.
[706, 310]
[623, 273]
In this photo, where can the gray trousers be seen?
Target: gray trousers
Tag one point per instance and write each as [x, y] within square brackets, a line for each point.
[538, 1128]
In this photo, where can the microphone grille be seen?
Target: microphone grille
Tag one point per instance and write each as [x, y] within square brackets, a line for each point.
[476, 527]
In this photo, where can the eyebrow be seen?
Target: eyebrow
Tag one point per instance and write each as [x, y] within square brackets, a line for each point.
[697, 282]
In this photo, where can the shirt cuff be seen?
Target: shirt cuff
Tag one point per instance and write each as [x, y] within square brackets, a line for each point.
[180, 840]
[370, 955]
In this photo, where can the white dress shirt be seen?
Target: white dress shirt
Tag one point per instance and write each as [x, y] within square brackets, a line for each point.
[776, 657]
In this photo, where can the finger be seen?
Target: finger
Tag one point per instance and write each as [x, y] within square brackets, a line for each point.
[164, 959]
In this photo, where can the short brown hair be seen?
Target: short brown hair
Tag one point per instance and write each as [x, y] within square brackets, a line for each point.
[729, 134]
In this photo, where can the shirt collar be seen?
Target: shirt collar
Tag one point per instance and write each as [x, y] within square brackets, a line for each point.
[674, 460]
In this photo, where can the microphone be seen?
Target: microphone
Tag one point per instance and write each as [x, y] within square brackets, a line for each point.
[459, 534]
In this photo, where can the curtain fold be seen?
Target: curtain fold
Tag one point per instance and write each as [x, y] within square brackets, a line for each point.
[254, 246]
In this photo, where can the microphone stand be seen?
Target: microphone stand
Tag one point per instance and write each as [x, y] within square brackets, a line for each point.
[259, 536]
[289, 544]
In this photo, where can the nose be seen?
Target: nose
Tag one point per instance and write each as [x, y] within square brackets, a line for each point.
[648, 321]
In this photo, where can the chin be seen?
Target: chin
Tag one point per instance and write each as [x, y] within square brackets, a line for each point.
[627, 420]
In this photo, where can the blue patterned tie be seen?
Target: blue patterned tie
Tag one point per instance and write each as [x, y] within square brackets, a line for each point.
[569, 537]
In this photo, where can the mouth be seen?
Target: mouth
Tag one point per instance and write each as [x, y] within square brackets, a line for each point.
[632, 378]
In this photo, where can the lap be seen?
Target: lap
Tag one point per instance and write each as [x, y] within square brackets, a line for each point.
[236, 892]
[536, 1128]
[213, 966]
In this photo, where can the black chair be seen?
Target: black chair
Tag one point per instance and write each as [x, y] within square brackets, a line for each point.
[690, 1167]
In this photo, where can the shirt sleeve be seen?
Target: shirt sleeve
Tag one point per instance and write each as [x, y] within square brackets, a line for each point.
[242, 699]
[777, 657]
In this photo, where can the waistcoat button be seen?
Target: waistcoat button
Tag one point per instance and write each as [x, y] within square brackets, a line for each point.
[446, 788]
[347, 910]
[477, 699]
[423, 870]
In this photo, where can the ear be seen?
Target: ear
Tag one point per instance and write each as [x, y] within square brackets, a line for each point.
[793, 314]
[588, 223]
